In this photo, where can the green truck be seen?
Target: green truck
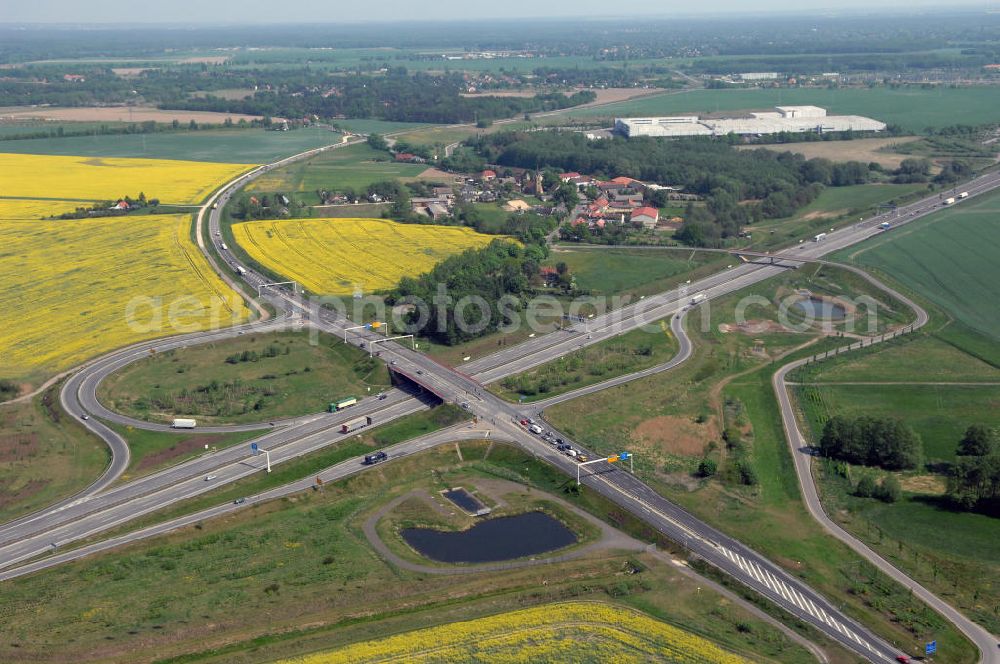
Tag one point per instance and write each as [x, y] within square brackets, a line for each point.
[342, 404]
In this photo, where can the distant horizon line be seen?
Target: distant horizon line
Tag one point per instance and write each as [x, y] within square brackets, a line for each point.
[921, 7]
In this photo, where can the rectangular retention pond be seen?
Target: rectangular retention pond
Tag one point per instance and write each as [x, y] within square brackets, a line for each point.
[466, 501]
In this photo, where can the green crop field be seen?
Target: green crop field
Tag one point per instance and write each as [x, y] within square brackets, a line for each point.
[353, 166]
[949, 257]
[913, 109]
[939, 413]
[246, 379]
[237, 146]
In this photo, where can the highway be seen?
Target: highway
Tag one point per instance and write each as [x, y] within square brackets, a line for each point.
[97, 512]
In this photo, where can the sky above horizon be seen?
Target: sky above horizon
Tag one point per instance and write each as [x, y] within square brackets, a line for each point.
[327, 11]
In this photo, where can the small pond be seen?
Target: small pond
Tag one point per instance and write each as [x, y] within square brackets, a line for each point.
[466, 501]
[493, 540]
[820, 309]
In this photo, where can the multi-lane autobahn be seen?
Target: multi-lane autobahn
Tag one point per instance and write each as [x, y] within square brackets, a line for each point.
[100, 509]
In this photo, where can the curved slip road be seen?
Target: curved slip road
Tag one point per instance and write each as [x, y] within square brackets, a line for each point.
[802, 455]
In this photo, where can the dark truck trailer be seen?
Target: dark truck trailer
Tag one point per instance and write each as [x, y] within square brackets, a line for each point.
[354, 425]
[371, 459]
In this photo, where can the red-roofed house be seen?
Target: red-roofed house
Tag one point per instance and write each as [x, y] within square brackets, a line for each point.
[566, 177]
[647, 216]
[549, 275]
[120, 205]
[404, 156]
[488, 175]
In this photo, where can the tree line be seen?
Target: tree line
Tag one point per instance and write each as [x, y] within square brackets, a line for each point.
[498, 278]
[974, 478]
[397, 96]
[869, 441]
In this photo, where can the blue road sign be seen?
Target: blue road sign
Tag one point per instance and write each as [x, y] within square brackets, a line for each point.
[930, 648]
[624, 455]
[253, 447]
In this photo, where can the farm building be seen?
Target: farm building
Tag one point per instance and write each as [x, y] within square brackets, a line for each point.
[792, 119]
[647, 216]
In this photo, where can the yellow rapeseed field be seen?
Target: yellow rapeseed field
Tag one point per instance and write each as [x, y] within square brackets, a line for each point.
[339, 256]
[565, 632]
[70, 290]
[29, 209]
[105, 178]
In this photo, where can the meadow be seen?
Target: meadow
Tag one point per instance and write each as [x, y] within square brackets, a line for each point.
[632, 272]
[625, 354]
[44, 455]
[338, 256]
[244, 379]
[199, 592]
[83, 178]
[913, 109]
[577, 631]
[673, 420]
[949, 257]
[69, 286]
[353, 166]
[245, 146]
[833, 207]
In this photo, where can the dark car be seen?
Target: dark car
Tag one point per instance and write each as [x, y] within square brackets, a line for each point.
[239, 501]
[375, 458]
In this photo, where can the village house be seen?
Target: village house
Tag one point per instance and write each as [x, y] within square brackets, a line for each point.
[647, 216]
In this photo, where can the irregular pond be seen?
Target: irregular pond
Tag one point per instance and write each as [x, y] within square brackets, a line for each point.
[821, 309]
[493, 540]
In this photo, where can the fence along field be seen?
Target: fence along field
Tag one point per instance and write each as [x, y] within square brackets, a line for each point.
[336, 256]
[570, 631]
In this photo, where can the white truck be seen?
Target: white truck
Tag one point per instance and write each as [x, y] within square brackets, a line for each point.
[354, 425]
[240, 270]
[964, 194]
[535, 429]
[183, 423]
[224, 247]
[819, 237]
[949, 201]
[700, 297]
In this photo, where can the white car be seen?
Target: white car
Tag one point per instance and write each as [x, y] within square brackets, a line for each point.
[209, 478]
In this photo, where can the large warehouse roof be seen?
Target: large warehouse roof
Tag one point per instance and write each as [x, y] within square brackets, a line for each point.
[792, 119]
